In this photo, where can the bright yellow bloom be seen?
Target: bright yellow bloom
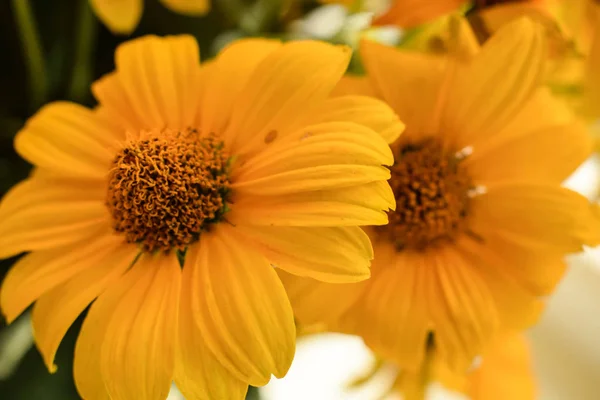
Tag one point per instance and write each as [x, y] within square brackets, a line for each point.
[172, 202]
[504, 372]
[123, 16]
[481, 222]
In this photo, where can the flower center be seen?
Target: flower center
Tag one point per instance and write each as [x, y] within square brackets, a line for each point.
[432, 196]
[165, 188]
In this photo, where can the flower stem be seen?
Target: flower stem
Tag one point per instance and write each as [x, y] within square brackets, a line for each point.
[82, 66]
[34, 58]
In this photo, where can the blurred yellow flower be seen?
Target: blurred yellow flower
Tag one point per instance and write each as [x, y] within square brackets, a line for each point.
[123, 16]
[568, 25]
[411, 13]
[481, 222]
[172, 201]
[503, 372]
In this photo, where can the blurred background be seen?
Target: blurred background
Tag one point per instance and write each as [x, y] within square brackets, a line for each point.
[53, 50]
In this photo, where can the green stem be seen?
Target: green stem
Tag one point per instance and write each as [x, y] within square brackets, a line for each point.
[82, 66]
[34, 58]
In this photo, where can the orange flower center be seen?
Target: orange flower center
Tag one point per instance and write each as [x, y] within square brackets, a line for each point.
[432, 196]
[165, 189]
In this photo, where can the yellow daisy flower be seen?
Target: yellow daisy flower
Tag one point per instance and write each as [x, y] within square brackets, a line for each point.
[173, 200]
[123, 16]
[481, 222]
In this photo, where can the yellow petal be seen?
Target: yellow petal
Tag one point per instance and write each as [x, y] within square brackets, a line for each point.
[354, 85]
[68, 139]
[41, 213]
[408, 81]
[125, 348]
[156, 83]
[324, 177]
[362, 110]
[329, 254]
[55, 311]
[488, 92]
[391, 315]
[323, 145]
[542, 102]
[462, 309]
[137, 356]
[121, 16]
[38, 272]
[518, 307]
[241, 307]
[542, 216]
[354, 206]
[410, 13]
[189, 7]
[198, 374]
[506, 371]
[549, 155]
[592, 82]
[86, 364]
[224, 79]
[285, 86]
[317, 302]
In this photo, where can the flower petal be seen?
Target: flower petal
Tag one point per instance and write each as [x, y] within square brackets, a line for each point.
[55, 310]
[542, 216]
[321, 145]
[518, 306]
[86, 364]
[121, 16]
[323, 177]
[487, 93]
[354, 206]
[188, 7]
[329, 254]
[242, 308]
[391, 315]
[125, 348]
[408, 81]
[137, 356]
[351, 85]
[146, 91]
[410, 13]
[317, 302]
[285, 86]
[69, 140]
[362, 110]
[36, 273]
[525, 158]
[462, 309]
[506, 371]
[41, 213]
[198, 374]
[226, 76]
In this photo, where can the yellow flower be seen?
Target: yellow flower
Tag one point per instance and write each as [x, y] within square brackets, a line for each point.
[411, 13]
[173, 200]
[568, 26]
[504, 372]
[481, 222]
[123, 16]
